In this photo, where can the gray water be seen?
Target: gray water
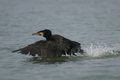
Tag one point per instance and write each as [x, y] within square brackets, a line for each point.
[93, 23]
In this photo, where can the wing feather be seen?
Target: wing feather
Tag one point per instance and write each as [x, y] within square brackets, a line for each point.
[42, 48]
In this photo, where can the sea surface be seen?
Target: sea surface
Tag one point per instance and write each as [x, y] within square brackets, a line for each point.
[93, 23]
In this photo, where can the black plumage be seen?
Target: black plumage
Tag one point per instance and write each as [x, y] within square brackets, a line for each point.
[54, 46]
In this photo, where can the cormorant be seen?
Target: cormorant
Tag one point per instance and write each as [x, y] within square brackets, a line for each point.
[54, 46]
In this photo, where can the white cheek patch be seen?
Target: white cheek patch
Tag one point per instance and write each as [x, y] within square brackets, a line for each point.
[41, 33]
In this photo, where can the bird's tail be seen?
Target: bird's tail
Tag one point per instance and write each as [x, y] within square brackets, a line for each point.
[82, 52]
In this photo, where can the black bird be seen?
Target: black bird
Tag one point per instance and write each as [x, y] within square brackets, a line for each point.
[54, 46]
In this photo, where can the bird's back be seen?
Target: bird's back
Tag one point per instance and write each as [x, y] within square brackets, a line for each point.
[72, 46]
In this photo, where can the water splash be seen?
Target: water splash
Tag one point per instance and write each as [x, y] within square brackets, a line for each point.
[101, 49]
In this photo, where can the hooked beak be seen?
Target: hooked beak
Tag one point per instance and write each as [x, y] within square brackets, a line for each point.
[35, 34]
[38, 33]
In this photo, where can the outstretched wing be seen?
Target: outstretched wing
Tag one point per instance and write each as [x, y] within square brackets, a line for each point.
[69, 46]
[53, 48]
[50, 49]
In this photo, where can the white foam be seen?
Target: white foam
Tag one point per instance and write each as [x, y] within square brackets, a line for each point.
[101, 49]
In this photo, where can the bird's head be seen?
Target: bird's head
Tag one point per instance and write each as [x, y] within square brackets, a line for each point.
[45, 33]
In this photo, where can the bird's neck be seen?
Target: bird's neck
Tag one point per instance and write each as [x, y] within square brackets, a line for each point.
[48, 37]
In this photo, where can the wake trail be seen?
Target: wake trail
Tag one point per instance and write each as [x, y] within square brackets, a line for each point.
[100, 49]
